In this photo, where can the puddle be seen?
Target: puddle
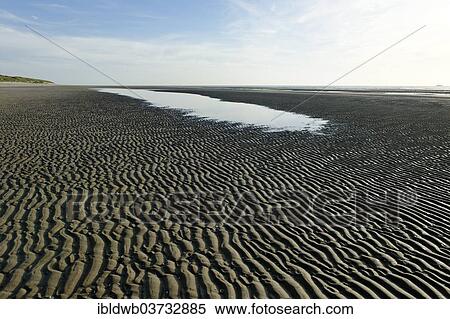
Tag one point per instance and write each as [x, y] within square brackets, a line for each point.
[218, 110]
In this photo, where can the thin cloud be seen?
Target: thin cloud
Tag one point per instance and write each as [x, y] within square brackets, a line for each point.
[50, 5]
[146, 16]
[288, 43]
[247, 6]
[11, 17]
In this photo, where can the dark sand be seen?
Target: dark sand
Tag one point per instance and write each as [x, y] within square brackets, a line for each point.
[103, 196]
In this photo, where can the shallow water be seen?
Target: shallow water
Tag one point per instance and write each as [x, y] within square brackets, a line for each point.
[420, 94]
[218, 110]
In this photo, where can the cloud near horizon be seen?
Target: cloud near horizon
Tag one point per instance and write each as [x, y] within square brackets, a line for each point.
[254, 43]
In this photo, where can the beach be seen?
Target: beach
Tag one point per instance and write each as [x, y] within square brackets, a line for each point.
[104, 196]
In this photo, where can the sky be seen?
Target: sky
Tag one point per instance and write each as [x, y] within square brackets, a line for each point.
[227, 42]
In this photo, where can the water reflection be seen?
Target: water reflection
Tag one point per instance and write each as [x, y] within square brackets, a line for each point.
[215, 109]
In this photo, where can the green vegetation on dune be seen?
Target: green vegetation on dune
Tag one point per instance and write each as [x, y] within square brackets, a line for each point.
[6, 78]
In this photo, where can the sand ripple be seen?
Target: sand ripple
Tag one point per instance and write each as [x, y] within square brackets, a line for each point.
[102, 196]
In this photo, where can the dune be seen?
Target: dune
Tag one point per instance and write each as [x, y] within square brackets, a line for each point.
[105, 196]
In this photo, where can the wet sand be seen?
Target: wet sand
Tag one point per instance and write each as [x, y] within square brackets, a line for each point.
[103, 196]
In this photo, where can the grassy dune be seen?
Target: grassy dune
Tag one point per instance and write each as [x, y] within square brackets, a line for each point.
[20, 79]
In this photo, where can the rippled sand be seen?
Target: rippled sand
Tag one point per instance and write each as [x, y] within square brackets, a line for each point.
[104, 196]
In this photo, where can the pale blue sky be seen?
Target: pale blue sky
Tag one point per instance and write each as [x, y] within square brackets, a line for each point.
[114, 18]
[234, 42]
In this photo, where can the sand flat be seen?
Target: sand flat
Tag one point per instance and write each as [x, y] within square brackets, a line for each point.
[103, 196]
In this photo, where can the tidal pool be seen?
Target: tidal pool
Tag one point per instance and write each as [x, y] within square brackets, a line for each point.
[218, 110]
